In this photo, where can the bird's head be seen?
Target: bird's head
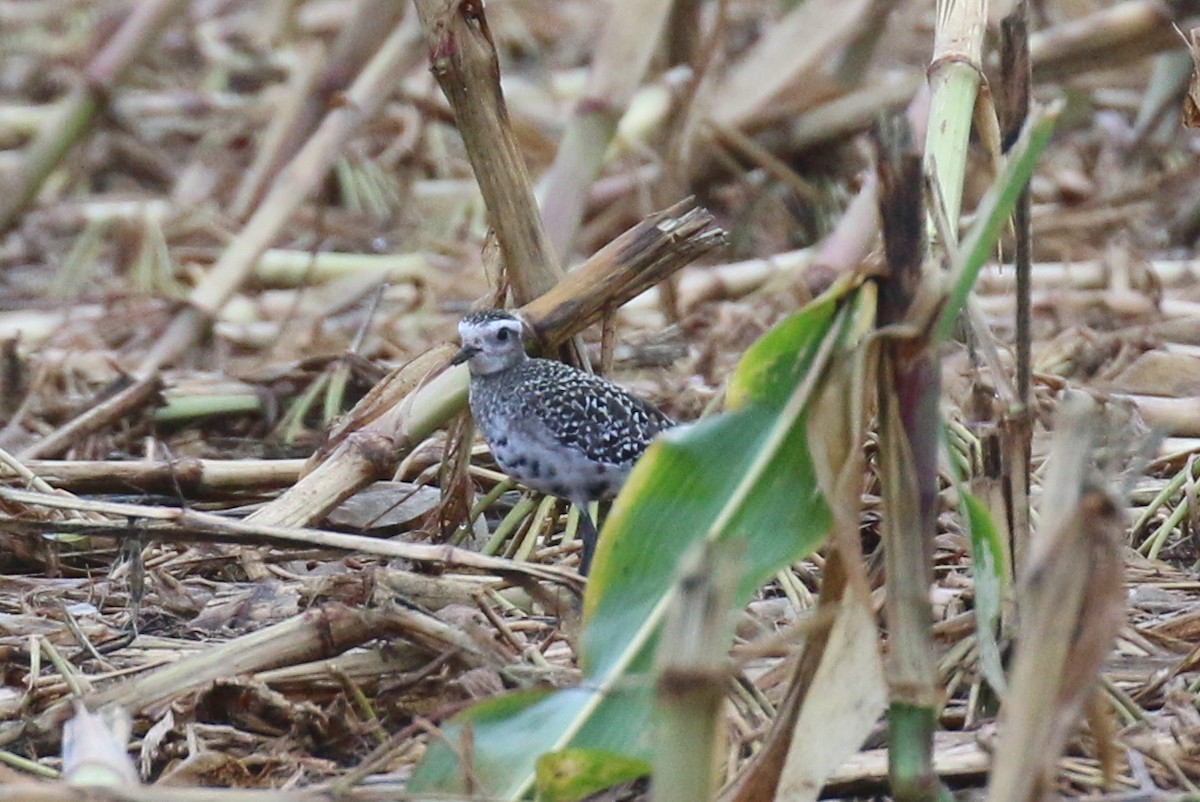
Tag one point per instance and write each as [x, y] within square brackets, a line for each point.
[492, 340]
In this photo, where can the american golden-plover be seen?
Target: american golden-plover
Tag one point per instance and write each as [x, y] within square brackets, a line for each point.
[554, 428]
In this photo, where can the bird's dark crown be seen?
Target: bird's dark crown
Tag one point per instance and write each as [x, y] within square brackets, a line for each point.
[488, 315]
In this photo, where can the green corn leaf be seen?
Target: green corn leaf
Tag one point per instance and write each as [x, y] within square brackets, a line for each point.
[573, 774]
[993, 214]
[987, 569]
[746, 478]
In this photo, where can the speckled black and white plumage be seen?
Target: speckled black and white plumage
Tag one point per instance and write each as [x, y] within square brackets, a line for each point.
[552, 427]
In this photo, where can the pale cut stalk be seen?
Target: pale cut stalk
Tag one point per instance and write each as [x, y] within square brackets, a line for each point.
[19, 120]
[632, 31]
[192, 474]
[305, 65]
[1177, 417]
[186, 525]
[463, 59]
[693, 671]
[189, 407]
[846, 115]
[1094, 274]
[800, 61]
[290, 189]
[85, 100]
[954, 82]
[1124, 33]
[287, 268]
[1072, 605]
[1127, 33]
[359, 37]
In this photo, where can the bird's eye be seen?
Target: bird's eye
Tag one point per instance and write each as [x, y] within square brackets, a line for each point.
[502, 335]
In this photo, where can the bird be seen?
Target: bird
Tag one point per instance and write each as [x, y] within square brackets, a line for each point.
[552, 427]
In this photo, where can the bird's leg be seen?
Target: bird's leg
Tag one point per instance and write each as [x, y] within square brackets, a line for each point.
[589, 536]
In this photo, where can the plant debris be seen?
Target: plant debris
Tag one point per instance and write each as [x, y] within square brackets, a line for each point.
[236, 238]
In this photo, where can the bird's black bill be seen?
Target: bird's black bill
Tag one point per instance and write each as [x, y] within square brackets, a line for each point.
[464, 353]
